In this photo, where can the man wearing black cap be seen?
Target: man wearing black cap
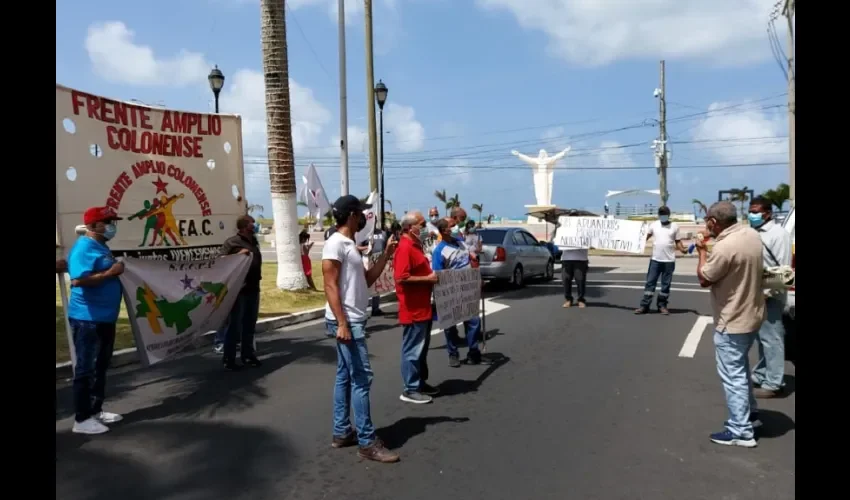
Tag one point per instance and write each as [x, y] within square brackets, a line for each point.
[347, 285]
[92, 312]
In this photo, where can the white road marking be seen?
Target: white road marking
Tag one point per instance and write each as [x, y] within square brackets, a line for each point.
[490, 307]
[693, 338]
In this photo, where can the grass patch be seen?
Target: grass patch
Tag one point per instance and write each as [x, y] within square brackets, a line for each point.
[273, 303]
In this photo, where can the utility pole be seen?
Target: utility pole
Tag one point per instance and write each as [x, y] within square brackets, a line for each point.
[343, 105]
[661, 144]
[788, 12]
[370, 100]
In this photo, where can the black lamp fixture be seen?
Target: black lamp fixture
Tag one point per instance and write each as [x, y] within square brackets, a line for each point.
[381, 94]
[216, 79]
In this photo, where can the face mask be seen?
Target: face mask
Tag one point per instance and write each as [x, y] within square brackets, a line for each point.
[756, 220]
[435, 219]
[361, 223]
[456, 231]
[470, 230]
[664, 219]
[256, 228]
[110, 231]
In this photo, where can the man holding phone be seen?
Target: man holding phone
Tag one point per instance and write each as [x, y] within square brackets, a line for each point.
[347, 285]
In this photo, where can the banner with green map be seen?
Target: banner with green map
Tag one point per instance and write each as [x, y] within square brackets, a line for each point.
[171, 303]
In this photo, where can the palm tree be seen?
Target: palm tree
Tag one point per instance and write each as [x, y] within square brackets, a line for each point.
[451, 203]
[441, 195]
[290, 275]
[701, 206]
[254, 207]
[478, 207]
[740, 196]
[778, 196]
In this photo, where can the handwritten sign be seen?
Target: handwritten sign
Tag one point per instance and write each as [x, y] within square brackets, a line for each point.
[385, 282]
[457, 296]
[617, 235]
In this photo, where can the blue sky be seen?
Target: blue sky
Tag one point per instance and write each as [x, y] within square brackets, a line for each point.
[469, 81]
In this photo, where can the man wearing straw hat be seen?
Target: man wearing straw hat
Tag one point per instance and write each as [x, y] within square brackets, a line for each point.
[92, 312]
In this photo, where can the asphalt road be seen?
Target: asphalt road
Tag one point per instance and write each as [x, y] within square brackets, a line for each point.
[586, 404]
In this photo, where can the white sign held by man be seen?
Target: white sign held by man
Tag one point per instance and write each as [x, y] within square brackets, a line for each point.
[617, 235]
[172, 303]
[457, 296]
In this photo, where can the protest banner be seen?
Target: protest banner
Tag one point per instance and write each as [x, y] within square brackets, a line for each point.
[171, 303]
[457, 296]
[385, 282]
[175, 177]
[602, 233]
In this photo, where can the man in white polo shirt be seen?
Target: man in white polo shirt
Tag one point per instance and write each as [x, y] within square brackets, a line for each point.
[663, 261]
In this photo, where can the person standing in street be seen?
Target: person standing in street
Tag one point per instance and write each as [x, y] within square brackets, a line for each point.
[452, 254]
[663, 261]
[379, 244]
[769, 373]
[414, 281]
[243, 317]
[347, 285]
[93, 312]
[733, 272]
[574, 265]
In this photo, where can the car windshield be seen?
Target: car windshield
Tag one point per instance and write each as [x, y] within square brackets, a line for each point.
[492, 236]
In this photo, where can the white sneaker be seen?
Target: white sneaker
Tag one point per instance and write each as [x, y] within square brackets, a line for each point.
[89, 426]
[106, 417]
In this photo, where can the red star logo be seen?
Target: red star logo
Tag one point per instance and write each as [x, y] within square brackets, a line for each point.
[160, 185]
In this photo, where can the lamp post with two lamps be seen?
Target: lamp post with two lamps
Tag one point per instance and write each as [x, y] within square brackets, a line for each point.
[381, 96]
[216, 79]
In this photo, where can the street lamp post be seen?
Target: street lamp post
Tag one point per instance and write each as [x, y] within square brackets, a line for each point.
[381, 96]
[216, 79]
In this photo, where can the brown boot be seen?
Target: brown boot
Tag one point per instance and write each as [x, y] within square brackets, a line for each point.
[345, 441]
[763, 393]
[378, 453]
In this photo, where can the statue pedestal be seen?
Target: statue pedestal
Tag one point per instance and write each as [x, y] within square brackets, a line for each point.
[537, 208]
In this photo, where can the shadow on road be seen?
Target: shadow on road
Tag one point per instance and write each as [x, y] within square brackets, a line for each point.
[673, 310]
[195, 384]
[396, 435]
[456, 387]
[774, 424]
[170, 460]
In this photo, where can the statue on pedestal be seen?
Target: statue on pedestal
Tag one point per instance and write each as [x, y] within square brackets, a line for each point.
[543, 172]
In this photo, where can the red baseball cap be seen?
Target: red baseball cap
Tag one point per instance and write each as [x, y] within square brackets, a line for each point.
[99, 214]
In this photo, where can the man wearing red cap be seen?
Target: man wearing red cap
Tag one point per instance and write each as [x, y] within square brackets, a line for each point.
[93, 311]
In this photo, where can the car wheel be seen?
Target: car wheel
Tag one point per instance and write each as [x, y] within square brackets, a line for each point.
[550, 271]
[518, 279]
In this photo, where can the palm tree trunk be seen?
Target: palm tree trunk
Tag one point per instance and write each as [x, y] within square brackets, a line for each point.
[290, 275]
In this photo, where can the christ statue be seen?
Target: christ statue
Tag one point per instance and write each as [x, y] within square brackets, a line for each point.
[543, 171]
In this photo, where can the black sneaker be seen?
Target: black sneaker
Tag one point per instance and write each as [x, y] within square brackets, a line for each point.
[454, 361]
[378, 313]
[415, 397]
[754, 419]
[231, 365]
[251, 361]
[428, 390]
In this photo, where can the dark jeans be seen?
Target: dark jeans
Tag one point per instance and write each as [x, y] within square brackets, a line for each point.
[664, 270]
[415, 340]
[241, 324]
[472, 329]
[93, 344]
[574, 269]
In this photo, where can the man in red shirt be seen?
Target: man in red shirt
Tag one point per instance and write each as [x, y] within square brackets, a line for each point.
[414, 281]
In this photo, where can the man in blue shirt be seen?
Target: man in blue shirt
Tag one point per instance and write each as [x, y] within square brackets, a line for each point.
[93, 311]
[453, 254]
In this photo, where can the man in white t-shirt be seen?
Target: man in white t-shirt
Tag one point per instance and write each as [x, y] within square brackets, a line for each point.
[663, 261]
[347, 285]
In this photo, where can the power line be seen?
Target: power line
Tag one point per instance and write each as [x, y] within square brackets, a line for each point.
[309, 45]
[476, 168]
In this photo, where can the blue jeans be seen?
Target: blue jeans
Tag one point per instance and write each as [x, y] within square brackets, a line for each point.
[241, 324]
[93, 345]
[472, 328]
[770, 370]
[376, 303]
[352, 386]
[663, 270]
[733, 365]
[414, 354]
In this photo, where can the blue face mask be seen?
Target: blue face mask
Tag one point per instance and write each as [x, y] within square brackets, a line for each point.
[456, 231]
[256, 228]
[664, 218]
[109, 233]
[756, 220]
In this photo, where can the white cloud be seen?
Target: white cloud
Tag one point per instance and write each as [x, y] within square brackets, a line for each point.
[611, 154]
[117, 58]
[598, 32]
[740, 134]
[555, 139]
[458, 172]
[358, 141]
[408, 134]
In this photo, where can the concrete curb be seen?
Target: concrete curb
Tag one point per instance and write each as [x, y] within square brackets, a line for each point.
[130, 356]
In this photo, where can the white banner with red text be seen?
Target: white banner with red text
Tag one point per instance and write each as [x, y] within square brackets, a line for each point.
[171, 303]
